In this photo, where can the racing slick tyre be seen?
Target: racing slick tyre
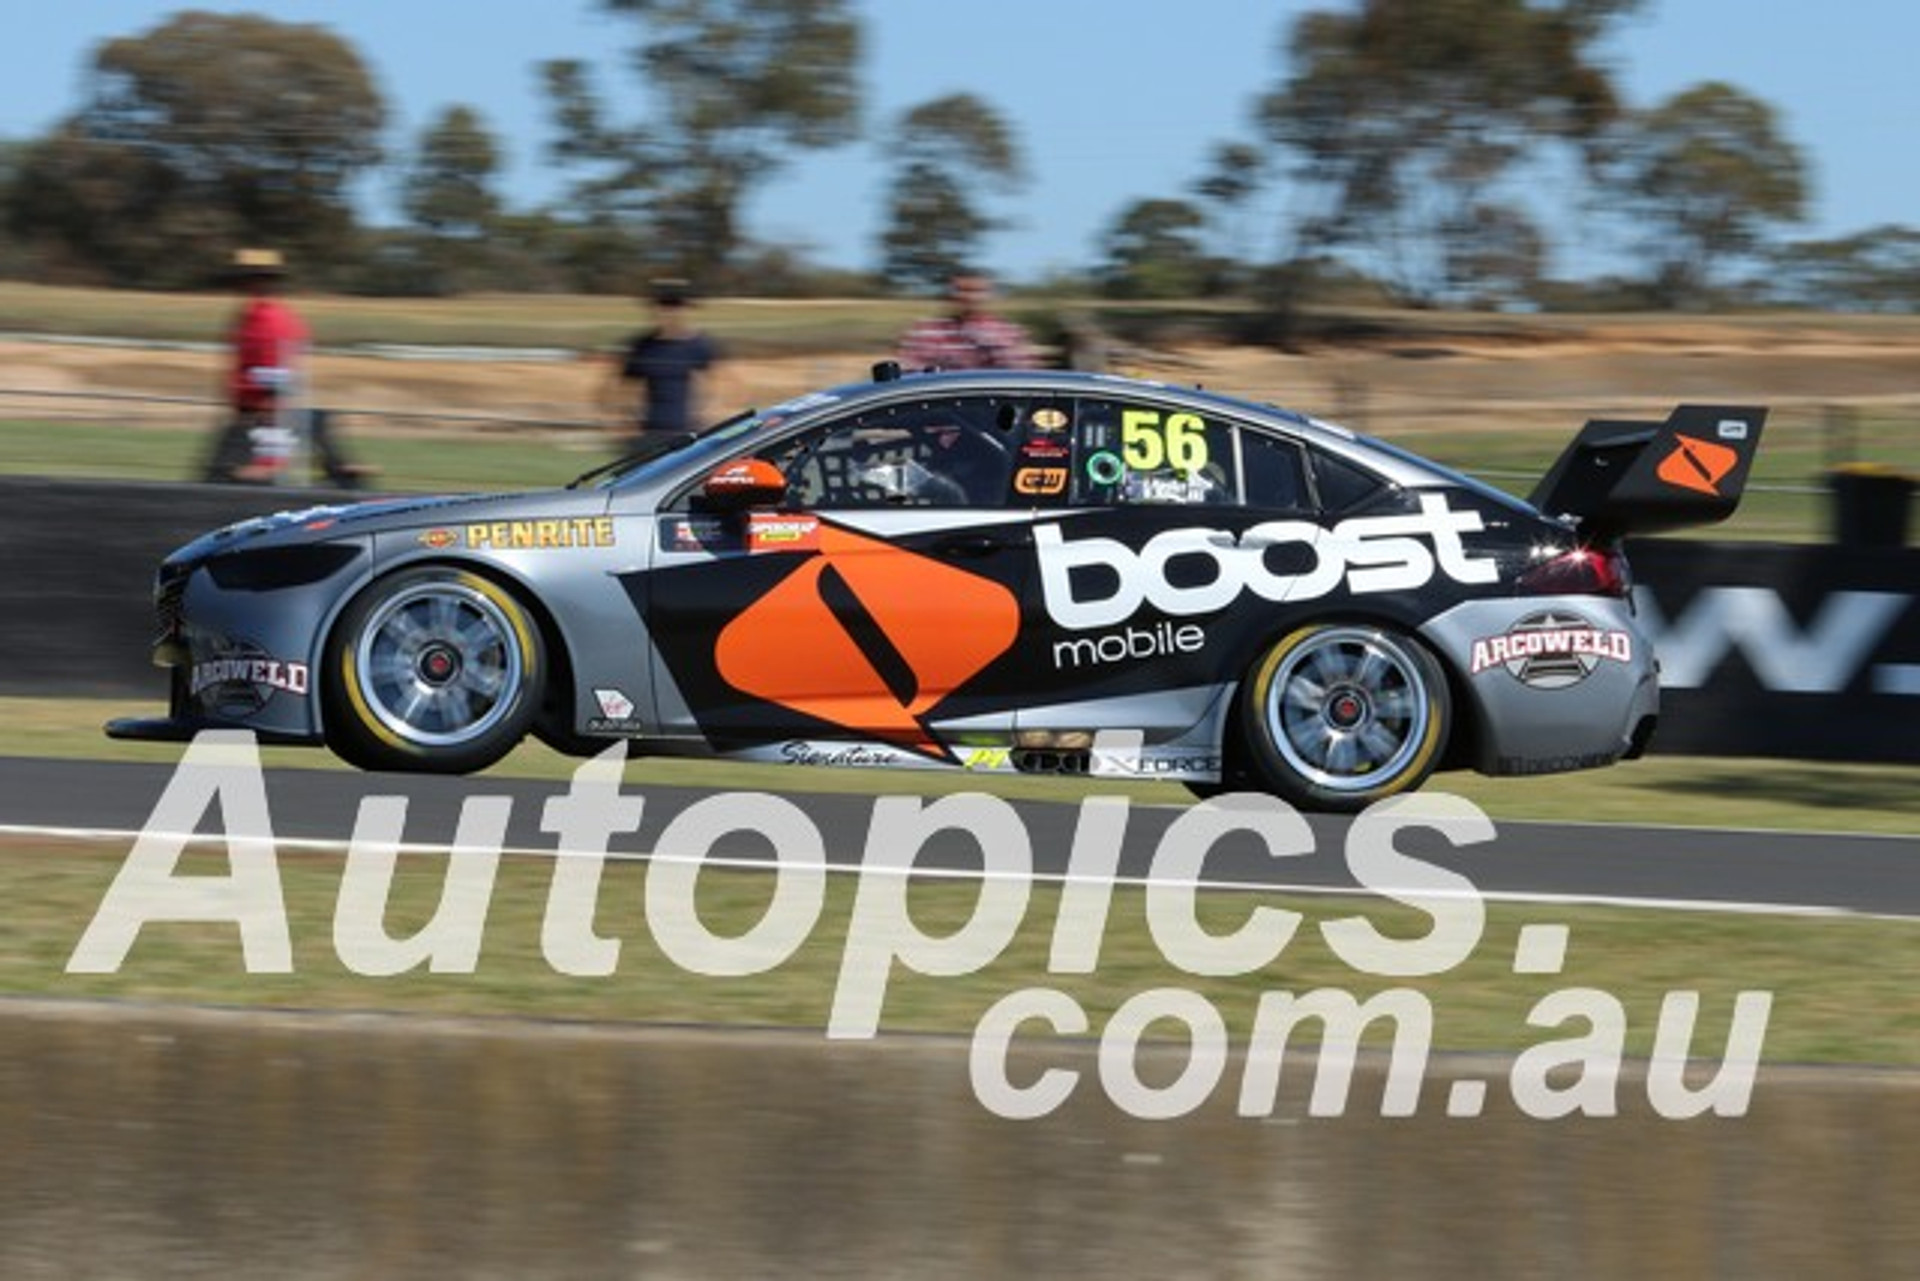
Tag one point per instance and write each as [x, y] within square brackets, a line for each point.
[433, 670]
[1337, 716]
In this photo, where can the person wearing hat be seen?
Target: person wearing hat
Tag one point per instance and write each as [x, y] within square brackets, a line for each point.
[666, 362]
[267, 344]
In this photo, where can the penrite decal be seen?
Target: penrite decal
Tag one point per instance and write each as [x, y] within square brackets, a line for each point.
[1551, 650]
[521, 535]
[1697, 464]
[848, 638]
[1365, 553]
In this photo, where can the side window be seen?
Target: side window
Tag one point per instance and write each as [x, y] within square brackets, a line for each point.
[1148, 454]
[1274, 471]
[1341, 485]
[948, 453]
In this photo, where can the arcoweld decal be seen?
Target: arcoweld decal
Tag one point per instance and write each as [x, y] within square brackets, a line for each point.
[1365, 553]
[239, 678]
[270, 673]
[1551, 650]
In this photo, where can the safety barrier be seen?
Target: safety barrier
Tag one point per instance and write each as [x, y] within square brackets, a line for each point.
[1800, 651]
[152, 1142]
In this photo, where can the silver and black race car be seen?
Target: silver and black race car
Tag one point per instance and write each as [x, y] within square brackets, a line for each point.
[1002, 572]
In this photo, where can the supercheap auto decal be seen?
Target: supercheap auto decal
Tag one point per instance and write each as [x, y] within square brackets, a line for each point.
[850, 634]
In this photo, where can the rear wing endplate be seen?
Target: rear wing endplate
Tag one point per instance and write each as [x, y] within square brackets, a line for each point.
[1622, 477]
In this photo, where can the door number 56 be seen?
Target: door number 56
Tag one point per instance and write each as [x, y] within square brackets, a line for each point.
[1149, 444]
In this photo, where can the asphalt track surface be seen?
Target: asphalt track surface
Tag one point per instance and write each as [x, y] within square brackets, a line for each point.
[1750, 870]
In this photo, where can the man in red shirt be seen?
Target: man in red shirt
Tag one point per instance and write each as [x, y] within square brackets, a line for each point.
[968, 337]
[268, 342]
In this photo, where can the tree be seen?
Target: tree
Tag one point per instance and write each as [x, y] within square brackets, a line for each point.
[209, 131]
[447, 194]
[1873, 270]
[1234, 174]
[448, 190]
[1494, 254]
[1153, 250]
[1407, 116]
[942, 150]
[1709, 173]
[735, 82]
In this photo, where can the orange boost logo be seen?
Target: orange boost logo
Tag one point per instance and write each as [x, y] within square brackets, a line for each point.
[1697, 464]
[868, 637]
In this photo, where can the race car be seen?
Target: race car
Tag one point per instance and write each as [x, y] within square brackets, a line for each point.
[1006, 572]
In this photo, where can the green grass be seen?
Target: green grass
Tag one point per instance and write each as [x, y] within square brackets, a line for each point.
[574, 322]
[448, 460]
[1843, 989]
[1683, 791]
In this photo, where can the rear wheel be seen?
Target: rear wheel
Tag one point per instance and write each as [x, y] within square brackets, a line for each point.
[1337, 716]
[435, 669]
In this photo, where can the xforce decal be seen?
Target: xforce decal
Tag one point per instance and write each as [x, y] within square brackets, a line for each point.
[868, 637]
[1096, 582]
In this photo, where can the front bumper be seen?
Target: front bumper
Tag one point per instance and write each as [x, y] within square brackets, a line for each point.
[182, 722]
[241, 634]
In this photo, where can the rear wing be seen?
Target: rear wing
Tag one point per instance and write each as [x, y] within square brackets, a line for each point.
[1619, 478]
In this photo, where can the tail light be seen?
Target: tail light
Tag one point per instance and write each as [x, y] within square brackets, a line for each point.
[1583, 571]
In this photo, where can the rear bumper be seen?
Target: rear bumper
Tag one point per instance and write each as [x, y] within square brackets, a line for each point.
[1552, 683]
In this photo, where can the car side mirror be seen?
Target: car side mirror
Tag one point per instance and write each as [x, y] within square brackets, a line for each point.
[744, 483]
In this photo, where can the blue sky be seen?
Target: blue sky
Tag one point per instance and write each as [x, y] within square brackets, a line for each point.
[1113, 101]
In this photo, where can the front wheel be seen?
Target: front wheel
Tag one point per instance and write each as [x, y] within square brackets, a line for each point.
[1338, 716]
[436, 670]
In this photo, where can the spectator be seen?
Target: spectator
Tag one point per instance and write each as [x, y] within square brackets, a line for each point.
[267, 344]
[968, 336]
[265, 424]
[666, 361]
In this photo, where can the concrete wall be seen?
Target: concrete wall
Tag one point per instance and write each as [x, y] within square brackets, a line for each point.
[162, 1144]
